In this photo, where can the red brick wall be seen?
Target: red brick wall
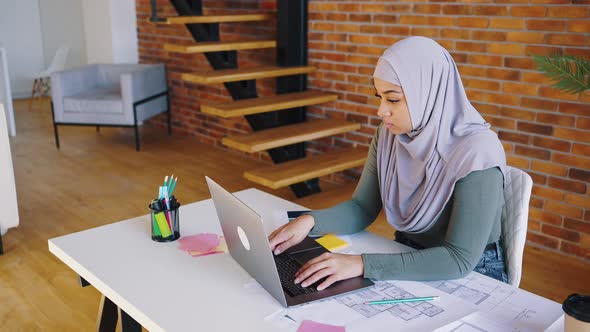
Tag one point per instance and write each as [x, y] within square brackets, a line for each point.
[544, 131]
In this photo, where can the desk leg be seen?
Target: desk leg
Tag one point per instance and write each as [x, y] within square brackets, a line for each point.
[83, 282]
[128, 324]
[107, 315]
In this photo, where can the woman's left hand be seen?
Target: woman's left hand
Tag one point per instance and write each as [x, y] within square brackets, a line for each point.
[333, 266]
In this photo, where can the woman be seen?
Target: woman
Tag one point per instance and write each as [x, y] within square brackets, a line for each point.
[435, 167]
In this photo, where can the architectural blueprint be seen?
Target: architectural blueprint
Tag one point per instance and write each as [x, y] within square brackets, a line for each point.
[405, 311]
[349, 310]
[475, 303]
[501, 307]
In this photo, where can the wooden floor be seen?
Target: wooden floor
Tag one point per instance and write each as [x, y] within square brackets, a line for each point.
[98, 178]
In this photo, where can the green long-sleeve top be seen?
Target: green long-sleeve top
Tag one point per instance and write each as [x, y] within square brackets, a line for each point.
[453, 245]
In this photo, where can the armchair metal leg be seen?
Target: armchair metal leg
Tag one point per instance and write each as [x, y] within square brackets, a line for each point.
[169, 113]
[143, 101]
[1, 246]
[56, 136]
[54, 126]
[136, 137]
[136, 127]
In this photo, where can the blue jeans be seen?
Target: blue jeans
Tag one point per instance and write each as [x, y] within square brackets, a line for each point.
[491, 262]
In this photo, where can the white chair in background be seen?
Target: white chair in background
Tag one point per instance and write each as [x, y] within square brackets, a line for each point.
[8, 203]
[41, 79]
[517, 194]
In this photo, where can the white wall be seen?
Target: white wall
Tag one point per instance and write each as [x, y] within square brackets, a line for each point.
[111, 31]
[32, 30]
[20, 33]
[97, 29]
[61, 23]
[123, 21]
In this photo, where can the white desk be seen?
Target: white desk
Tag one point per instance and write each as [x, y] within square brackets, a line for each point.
[165, 289]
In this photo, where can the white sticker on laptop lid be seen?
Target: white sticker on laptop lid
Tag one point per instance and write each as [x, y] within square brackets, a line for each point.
[243, 238]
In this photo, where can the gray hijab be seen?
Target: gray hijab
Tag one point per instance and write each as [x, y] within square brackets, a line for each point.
[418, 170]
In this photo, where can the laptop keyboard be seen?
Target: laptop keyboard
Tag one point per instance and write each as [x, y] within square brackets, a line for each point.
[287, 267]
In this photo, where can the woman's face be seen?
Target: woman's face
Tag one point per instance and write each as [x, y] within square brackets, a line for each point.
[393, 108]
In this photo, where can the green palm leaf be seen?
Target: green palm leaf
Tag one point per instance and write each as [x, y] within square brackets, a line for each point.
[568, 73]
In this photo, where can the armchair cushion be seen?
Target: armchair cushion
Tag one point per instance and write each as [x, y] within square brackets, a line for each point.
[97, 100]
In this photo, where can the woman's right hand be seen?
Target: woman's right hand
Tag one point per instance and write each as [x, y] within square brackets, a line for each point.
[290, 234]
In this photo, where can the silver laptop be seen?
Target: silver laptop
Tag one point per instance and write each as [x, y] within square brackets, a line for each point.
[248, 245]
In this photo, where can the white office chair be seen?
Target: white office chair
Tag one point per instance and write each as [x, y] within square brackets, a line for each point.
[41, 79]
[515, 215]
[8, 203]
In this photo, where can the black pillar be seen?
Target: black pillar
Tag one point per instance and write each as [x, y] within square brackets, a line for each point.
[154, 17]
[292, 30]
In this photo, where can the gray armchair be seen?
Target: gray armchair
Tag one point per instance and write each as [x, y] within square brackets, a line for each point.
[114, 95]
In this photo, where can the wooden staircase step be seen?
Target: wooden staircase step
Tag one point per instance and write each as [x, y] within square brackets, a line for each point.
[214, 18]
[287, 173]
[217, 46]
[289, 134]
[268, 104]
[232, 75]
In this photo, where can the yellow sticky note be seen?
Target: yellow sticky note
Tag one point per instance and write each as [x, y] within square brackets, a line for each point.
[331, 242]
[222, 245]
[221, 248]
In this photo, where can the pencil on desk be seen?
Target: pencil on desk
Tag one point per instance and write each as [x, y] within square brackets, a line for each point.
[395, 301]
[173, 186]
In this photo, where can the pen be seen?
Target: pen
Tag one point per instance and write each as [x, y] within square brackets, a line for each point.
[413, 299]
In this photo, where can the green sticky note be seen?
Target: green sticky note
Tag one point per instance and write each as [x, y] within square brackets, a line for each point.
[155, 228]
[163, 224]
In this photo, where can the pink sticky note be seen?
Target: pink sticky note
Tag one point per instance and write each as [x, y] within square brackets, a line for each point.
[311, 326]
[200, 242]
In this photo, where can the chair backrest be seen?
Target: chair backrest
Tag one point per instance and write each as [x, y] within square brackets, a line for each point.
[59, 60]
[517, 194]
[8, 203]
